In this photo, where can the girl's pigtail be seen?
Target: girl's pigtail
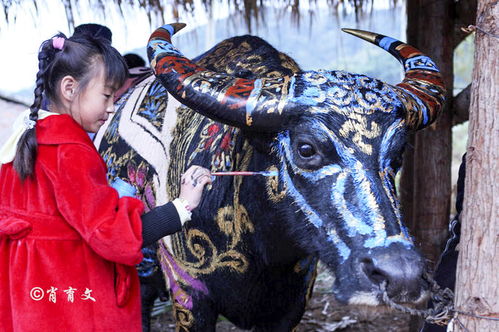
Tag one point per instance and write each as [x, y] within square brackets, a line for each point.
[27, 147]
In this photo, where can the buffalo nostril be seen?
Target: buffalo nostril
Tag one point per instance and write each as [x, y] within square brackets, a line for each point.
[375, 275]
[399, 274]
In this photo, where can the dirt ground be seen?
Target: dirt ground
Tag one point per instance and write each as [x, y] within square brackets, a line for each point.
[320, 317]
[323, 314]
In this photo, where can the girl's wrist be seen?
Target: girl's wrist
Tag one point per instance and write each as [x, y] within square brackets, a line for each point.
[183, 209]
[185, 203]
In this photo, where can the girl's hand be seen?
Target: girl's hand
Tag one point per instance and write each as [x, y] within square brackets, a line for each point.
[193, 182]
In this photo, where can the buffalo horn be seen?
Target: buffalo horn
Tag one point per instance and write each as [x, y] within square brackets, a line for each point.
[245, 103]
[422, 92]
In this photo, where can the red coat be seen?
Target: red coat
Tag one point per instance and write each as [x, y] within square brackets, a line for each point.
[68, 244]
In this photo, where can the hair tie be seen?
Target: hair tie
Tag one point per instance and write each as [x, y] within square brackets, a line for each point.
[28, 123]
[58, 43]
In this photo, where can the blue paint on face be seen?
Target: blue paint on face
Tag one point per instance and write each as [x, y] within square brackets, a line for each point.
[341, 92]
[354, 225]
[336, 92]
[315, 176]
[389, 137]
[355, 190]
[310, 96]
[361, 179]
[311, 215]
[368, 206]
[386, 142]
[353, 228]
[386, 242]
[367, 209]
[343, 250]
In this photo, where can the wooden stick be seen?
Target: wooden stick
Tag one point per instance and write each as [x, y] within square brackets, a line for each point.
[245, 173]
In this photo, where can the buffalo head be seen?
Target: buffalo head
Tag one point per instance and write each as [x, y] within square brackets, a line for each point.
[337, 139]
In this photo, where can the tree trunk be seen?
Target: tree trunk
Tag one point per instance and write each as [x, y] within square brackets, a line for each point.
[426, 183]
[477, 284]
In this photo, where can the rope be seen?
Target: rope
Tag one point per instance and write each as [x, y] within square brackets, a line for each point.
[476, 316]
[443, 301]
[473, 28]
[443, 310]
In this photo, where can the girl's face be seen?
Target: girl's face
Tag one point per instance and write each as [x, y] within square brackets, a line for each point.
[93, 105]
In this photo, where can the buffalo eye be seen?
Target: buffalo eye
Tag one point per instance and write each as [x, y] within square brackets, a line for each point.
[306, 150]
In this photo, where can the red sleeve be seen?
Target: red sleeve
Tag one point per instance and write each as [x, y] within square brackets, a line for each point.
[110, 225]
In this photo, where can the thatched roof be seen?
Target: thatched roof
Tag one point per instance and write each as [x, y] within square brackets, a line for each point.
[155, 9]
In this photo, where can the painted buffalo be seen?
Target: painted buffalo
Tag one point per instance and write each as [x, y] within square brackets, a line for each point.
[331, 143]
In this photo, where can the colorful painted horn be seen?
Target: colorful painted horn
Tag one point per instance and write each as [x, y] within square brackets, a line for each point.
[422, 91]
[240, 102]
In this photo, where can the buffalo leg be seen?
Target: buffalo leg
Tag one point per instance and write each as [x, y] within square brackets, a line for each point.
[202, 317]
[152, 284]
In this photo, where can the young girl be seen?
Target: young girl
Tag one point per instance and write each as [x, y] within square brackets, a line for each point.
[68, 243]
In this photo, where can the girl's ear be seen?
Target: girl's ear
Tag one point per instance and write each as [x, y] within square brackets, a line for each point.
[68, 88]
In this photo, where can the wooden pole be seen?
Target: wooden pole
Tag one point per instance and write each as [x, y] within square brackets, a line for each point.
[426, 182]
[425, 185]
[477, 283]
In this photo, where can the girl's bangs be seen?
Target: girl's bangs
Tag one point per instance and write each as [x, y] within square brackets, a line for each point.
[116, 69]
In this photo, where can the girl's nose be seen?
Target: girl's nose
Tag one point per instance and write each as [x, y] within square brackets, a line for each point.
[110, 108]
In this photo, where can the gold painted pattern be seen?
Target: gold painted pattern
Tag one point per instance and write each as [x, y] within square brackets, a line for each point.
[183, 318]
[232, 220]
[274, 192]
[361, 129]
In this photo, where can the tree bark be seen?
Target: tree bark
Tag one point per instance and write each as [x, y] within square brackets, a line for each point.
[477, 285]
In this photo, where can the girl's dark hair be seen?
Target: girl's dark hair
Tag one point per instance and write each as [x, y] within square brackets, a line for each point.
[79, 57]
